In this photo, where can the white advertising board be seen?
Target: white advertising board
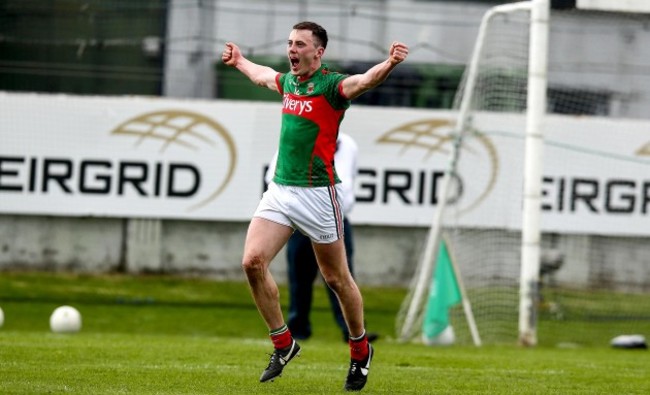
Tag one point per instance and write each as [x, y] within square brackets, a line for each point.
[163, 158]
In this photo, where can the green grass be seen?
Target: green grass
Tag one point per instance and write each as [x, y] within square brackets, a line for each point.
[167, 335]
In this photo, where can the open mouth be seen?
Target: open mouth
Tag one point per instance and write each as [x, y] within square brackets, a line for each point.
[294, 63]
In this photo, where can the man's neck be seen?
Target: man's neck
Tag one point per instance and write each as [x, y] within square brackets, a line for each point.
[311, 73]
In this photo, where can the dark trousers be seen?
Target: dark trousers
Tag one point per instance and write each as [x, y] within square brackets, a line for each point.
[302, 274]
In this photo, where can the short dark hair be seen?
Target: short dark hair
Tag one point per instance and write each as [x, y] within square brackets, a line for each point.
[317, 30]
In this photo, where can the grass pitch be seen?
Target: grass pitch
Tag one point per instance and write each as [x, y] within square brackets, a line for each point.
[167, 335]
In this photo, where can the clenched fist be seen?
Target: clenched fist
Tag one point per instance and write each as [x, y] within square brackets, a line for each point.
[398, 52]
[230, 54]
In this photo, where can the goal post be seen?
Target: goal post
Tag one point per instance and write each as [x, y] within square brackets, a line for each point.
[410, 315]
[531, 234]
[545, 195]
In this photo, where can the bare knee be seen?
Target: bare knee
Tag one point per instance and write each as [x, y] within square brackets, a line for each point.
[253, 266]
[336, 283]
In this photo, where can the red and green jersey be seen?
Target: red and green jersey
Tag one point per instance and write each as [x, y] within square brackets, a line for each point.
[311, 114]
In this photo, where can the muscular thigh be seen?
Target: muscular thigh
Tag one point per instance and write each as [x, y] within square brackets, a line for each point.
[264, 239]
[331, 259]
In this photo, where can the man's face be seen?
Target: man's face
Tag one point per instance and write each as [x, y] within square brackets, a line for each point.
[304, 54]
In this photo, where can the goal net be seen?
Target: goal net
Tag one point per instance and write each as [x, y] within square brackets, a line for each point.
[589, 239]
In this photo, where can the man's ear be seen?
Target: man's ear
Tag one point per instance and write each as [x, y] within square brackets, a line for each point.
[319, 52]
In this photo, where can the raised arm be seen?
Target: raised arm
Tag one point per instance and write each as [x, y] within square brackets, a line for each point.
[357, 84]
[258, 74]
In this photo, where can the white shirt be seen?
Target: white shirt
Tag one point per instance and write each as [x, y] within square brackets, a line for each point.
[345, 162]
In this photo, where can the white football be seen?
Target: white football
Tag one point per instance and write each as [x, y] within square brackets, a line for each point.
[629, 341]
[446, 338]
[2, 317]
[65, 319]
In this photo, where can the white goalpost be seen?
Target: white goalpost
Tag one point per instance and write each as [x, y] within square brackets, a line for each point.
[410, 317]
[531, 235]
[519, 195]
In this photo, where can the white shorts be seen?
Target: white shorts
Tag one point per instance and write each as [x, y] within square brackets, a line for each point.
[316, 212]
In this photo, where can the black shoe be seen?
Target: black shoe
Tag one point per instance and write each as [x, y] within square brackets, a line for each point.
[358, 373]
[279, 359]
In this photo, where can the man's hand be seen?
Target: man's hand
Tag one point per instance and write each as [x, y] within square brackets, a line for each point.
[398, 52]
[231, 54]
[258, 74]
[355, 85]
